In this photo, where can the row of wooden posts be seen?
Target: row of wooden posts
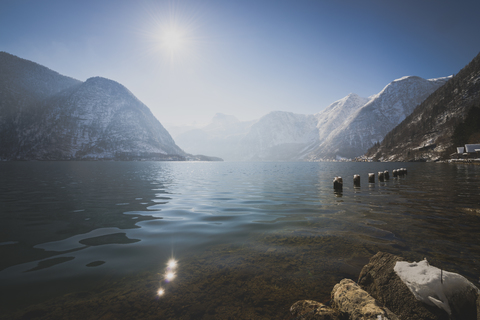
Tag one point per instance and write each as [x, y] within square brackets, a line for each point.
[382, 176]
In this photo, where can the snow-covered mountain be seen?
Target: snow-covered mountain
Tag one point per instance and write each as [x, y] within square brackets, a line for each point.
[369, 123]
[335, 114]
[47, 116]
[99, 118]
[345, 129]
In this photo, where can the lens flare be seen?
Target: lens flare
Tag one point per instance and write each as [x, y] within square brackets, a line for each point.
[173, 31]
[172, 264]
[170, 275]
[173, 39]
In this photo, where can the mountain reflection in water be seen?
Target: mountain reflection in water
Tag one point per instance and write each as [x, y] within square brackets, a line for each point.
[249, 239]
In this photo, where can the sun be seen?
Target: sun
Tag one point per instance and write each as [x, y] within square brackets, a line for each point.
[173, 39]
[173, 32]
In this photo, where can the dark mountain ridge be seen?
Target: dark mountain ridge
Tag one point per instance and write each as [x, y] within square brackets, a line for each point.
[23, 83]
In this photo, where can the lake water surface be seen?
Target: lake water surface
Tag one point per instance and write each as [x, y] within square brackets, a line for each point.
[91, 240]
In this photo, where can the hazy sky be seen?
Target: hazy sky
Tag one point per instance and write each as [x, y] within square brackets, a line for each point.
[187, 60]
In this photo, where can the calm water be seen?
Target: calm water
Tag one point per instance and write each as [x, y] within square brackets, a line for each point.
[92, 239]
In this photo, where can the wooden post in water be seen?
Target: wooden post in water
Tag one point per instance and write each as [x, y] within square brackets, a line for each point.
[395, 173]
[404, 171]
[386, 175]
[401, 172]
[356, 180]
[371, 178]
[381, 177]
[338, 184]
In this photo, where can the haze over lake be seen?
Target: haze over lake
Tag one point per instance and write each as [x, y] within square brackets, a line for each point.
[249, 238]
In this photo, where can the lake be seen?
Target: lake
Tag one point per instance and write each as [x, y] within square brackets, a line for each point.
[83, 240]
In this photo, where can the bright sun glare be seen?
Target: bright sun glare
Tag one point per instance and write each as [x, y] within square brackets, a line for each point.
[172, 32]
[169, 275]
[171, 264]
[161, 292]
[173, 39]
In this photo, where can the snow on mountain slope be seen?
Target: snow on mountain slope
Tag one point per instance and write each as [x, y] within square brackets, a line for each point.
[337, 113]
[99, 118]
[376, 118]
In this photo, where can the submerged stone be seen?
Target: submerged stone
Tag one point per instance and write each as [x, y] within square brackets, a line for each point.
[313, 310]
[349, 298]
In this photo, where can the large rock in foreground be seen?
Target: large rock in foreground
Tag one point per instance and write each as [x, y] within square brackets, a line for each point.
[381, 281]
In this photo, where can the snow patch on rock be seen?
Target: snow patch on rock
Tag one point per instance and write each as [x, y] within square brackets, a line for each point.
[432, 285]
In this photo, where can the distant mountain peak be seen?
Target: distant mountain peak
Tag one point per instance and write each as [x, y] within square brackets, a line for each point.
[351, 95]
[105, 83]
[406, 78]
[355, 98]
[224, 117]
[101, 80]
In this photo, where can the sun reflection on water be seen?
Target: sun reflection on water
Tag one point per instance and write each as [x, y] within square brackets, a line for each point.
[172, 264]
[169, 275]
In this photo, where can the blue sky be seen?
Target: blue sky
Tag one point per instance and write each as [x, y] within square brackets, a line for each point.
[244, 58]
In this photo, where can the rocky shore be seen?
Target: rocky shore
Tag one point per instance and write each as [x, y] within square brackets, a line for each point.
[390, 288]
